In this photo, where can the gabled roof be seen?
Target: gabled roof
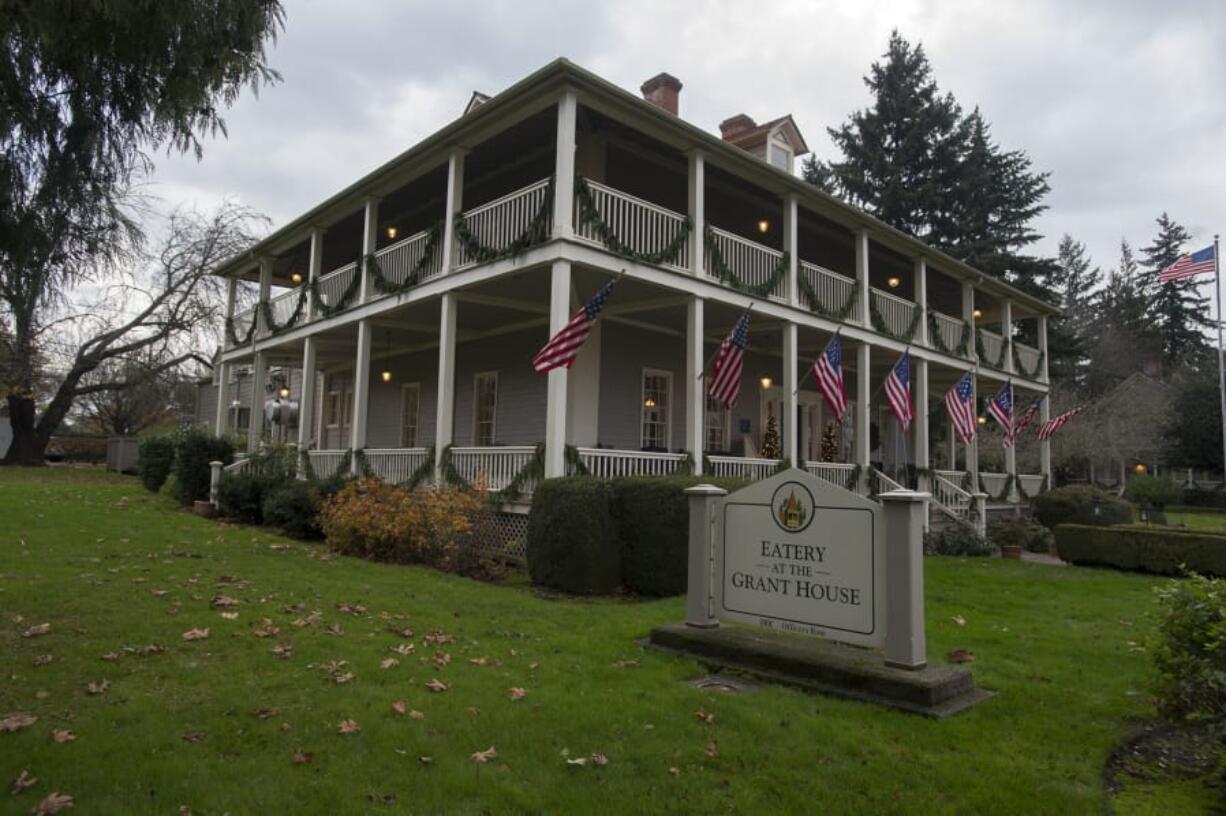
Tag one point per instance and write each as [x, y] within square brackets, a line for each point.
[756, 134]
[475, 101]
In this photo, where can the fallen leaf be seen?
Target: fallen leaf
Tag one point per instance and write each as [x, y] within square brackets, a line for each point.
[23, 781]
[389, 663]
[441, 659]
[335, 629]
[960, 656]
[193, 736]
[42, 660]
[302, 758]
[229, 615]
[600, 760]
[704, 715]
[532, 666]
[110, 657]
[416, 715]
[517, 693]
[342, 677]
[37, 631]
[348, 727]
[438, 637]
[675, 771]
[223, 601]
[152, 649]
[158, 593]
[436, 685]
[283, 650]
[264, 713]
[626, 664]
[404, 649]
[400, 707]
[99, 687]
[54, 803]
[580, 761]
[482, 757]
[479, 661]
[426, 760]
[266, 629]
[196, 634]
[62, 735]
[17, 722]
[404, 633]
[474, 710]
[958, 619]
[712, 749]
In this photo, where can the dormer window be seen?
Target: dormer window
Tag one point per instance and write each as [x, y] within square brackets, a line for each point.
[780, 154]
[776, 142]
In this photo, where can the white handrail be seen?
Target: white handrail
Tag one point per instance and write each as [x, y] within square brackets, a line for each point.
[950, 498]
[832, 289]
[642, 226]
[395, 465]
[991, 347]
[951, 330]
[606, 463]
[837, 473]
[326, 463]
[895, 311]
[742, 467]
[399, 259]
[884, 483]
[494, 467]
[499, 222]
[333, 285]
[751, 262]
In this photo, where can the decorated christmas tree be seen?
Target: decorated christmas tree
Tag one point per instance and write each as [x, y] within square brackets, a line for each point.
[770, 440]
[830, 444]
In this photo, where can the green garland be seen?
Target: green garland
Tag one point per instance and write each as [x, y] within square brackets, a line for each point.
[982, 353]
[535, 233]
[840, 313]
[1003, 495]
[390, 287]
[934, 337]
[715, 259]
[589, 216]
[423, 472]
[235, 340]
[347, 296]
[291, 321]
[308, 469]
[1032, 374]
[363, 466]
[533, 470]
[878, 321]
[686, 466]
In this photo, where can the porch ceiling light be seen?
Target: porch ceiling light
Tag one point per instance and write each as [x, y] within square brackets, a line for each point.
[893, 281]
[764, 226]
[296, 277]
[978, 313]
[1140, 468]
[766, 382]
[283, 392]
[649, 403]
[392, 232]
[385, 375]
[983, 420]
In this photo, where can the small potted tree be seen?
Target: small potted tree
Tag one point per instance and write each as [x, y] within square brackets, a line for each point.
[1010, 535]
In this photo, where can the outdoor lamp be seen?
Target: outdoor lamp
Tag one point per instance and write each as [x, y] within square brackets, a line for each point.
[296, 277]
[1097, 504]
[649, 403]
[982, 420]
[977, 313]
[283, 392]
[766, 382]
[893, 281]
[764, 226]
[1145, 512]
[1140, 469]
[392, 232]
[385, 375]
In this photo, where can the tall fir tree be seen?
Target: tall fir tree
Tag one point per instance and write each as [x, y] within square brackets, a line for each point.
[1123, 336]
[1178, 309]
[1073, 280]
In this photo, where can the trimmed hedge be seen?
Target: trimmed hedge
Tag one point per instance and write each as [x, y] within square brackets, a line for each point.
[1196, 497]
[293, 506]
[572, 542]
[1146, 549]
[155, 460]
[652, 518]
[194, 449]
[1075, 505]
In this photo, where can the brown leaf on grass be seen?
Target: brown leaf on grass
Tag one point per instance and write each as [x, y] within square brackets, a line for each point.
[228, 615]
[441, 659]
[482, 757]
[223, 601]
[406, 632]
[42, 660]
[157, 593]
[400, 707]
[704, 715]
[192, 736]
[712, 749]
[184, 810]
[600, 760]
[99, 687]
[310, 620]
[62, 735]
[266, 629]
[293, 609]
[438, 637]
[403, 649]
[675, 771]
[474, 711]
[426, 760]
[152, 649]
[340, 678]
[335, 629]
[626, 664]
[577, 761]
[436, 685]
[517, 693]
[958, 619]
[389, 663]
[416, 715]
[17, 722]
[54, 803]
[196, 634]
[960, 656]
[283, 650]
[351, 609]
[302, 758]
[23, 781]
[37, 631]
[264, 713]
[110, 657]
[533, 666]
[479, 661]
[348, 727]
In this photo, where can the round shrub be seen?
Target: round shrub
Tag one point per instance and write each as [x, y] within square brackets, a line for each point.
[1156, 491]
[294, 507]
[572, 542]
[195, 448]
[241, 496]
[1189, 649]
[956, 539]
[155, 461]
[1075, 505]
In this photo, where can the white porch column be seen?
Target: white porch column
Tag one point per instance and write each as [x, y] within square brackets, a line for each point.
[1006, 332]
[231, 297]
[370, 239]
[314, 266]
[1045, 444]
[361, 389]
[972, 449]
[223, 398]
[265, 289]
[1042, 333]
[555, 394]
[968, 314]
[564, 170]
[255, 426]
[863, 414]
[444, 418]
[791, 446]
[790, 231]
[306, 400]
[922, 458]
[583, 385]
[921, 299]
[454, 206]
[695, 386]
[1011, 466]
[953, 447]
[862, 275]
[698, 216]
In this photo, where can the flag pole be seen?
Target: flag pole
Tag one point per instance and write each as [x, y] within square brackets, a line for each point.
[1221, 374]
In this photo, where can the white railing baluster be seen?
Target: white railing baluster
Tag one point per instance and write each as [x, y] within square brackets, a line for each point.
[991, 347]
[895, 311]
[499, 222]
[640, 225]
[951, 330]
[751, 262]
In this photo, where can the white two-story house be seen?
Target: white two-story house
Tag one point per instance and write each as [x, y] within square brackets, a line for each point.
[401, 315]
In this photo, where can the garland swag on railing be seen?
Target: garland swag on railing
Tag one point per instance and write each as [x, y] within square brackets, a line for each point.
[938, 342]
[308, 470]
[347, 296]
[1031, 374]
[291, 321]
[390, 287]
[839, 313]
[878, 321]
[589, 216]
[235, 340]
[1003, 495]
[715, 258]
[533, 470]
[1005, 348]
[423, 472]
[535, 233]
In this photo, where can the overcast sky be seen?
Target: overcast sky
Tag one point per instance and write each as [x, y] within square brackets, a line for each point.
[1123, 101]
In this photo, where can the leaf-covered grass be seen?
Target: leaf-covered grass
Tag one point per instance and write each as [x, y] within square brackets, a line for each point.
[113, 568]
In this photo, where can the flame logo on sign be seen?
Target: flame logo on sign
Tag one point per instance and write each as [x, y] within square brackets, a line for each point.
[791, 514]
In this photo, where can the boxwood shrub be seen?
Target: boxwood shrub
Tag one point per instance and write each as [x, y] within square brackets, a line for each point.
[1132, 547]
[194, 449]
[1075, 505]
[572, 544]
[155, 460]
[293, 506]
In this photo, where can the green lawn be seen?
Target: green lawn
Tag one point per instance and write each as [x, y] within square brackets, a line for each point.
[1198, 518]
[113, 570]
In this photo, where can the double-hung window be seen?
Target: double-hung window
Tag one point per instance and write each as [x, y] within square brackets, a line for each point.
[485, 409]
[657, 404]
[410, 404]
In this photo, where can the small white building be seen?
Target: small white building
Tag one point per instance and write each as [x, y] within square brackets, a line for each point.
[411, 303]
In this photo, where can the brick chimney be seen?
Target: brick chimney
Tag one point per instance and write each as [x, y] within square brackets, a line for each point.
[734, 126]
[662, 90]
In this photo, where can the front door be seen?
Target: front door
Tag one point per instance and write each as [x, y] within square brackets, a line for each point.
[808, 421]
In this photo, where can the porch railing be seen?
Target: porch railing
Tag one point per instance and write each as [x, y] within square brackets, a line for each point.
[282, 306]
[398, 260]
[242, 322]
[753, 263]
[493, 467]
[742, 467]
[950, 329]
[326, 463]
[837, 473]
[993, 483]
[236, 467]
[883, 483]
[332, 286]
[991, 347]
[395, 465]
[897, 312]
[950, 498]
[611, 464]
[834, 291]
[1027, 358]
[640, 225]
[498, 223]
[1031, 483]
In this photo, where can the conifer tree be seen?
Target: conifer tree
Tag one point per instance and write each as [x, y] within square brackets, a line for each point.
[1176, 307]
[1072, 280]
[770, 439]
[1124, 337]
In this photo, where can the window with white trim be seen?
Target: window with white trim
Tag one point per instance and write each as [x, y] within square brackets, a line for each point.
[332, 413]
[717, 423]
[657, 405]
[485, 408]
[410, 405]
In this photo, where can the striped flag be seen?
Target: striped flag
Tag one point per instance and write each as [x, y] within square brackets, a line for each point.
[725, 382]
[563, 347]
[1001, 409]
[828, 372]
[1188, 265]
[1027, 416]
[1052, 425]
[898, 390]
[960, 404]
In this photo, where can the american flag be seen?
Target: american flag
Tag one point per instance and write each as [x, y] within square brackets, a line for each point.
[898, 390]
[1027, 416]
[960, 403]
[828, 372]
[725, 383]
[1189, 265]
[1052, 425]
[563, 347]
[1001, 409]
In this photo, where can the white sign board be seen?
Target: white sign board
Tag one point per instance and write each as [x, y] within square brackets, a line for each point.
[797, 554]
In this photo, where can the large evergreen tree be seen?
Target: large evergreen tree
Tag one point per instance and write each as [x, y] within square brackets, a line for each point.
[1073, 280]
[1177, 307]
[1123, 336]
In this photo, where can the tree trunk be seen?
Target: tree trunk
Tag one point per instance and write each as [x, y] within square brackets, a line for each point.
[29, 445]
